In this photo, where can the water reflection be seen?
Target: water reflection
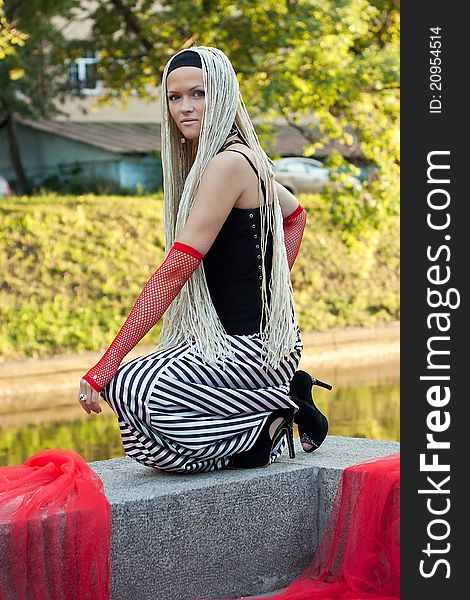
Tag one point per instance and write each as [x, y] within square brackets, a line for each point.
[364, 403]
[363, 411]
[93, 437]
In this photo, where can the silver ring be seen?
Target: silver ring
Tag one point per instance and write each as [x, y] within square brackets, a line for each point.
[83, 397]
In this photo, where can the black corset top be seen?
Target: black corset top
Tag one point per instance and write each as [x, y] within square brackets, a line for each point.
[233, 268]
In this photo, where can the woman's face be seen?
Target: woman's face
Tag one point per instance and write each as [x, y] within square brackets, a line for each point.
[186, 100]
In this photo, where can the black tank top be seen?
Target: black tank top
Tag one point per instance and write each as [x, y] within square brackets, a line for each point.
[233, 268]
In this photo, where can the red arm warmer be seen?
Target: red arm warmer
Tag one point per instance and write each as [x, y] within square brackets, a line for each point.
[156, 296]
[294, 226]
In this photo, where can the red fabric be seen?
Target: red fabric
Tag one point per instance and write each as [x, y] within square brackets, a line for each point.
[157, 295]
[188, 250]
[359, 556]
[293, 215]
[293, 227]
[56, 521]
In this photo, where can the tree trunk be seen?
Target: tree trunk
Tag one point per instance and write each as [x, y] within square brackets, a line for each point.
[21, 183]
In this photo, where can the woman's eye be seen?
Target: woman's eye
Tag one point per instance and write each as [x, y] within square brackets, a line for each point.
[174, 97]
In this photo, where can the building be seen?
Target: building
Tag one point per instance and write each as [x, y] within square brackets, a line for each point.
[79, 156]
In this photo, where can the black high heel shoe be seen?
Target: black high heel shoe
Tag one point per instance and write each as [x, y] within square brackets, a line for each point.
[260, 454]
[312, 423]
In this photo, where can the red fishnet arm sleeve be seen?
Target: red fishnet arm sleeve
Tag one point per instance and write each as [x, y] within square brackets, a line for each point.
[294, 226]
[156, 296]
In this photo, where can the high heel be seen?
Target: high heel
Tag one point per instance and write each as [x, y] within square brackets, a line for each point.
[312, 423]
[260, 454]
[320, 383]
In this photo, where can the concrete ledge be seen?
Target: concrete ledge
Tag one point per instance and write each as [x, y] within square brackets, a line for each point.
[222, 534]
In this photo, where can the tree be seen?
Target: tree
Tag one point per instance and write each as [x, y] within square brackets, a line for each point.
[33, 78]
[9, 36]
[329, 68]
[10, 40]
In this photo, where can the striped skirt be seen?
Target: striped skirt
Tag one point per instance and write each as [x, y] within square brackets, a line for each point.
[178, 414]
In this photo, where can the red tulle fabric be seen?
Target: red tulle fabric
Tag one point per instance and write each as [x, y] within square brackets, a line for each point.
[293, 227]
[359, 556]
[55, 523]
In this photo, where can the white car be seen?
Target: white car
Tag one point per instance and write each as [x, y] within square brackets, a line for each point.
[304, 175]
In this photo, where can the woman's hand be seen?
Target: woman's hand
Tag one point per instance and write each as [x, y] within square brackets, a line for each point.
[91, 402]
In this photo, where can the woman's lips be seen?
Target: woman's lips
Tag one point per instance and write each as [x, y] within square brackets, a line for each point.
[189, 122]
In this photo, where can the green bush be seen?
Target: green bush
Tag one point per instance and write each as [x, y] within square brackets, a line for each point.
[73, 181]
[338, 283]
[73, 266]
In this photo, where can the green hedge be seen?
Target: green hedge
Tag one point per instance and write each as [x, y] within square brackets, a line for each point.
[72, 267]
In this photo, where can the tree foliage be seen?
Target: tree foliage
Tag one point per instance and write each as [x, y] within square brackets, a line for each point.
[9, 36]
[34, 78]
[329, 68]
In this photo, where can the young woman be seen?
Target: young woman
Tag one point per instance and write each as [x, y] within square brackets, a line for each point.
[221, 388]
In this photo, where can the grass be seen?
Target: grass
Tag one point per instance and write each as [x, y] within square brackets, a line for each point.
[72, 267]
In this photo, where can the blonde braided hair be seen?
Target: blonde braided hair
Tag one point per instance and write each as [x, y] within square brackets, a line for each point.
[192, 317]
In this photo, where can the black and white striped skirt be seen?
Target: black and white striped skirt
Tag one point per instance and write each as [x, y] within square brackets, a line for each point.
[178, 414]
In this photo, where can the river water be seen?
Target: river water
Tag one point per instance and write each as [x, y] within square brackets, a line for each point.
[365, 402]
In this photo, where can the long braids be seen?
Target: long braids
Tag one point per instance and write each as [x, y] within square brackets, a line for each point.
[192, 317]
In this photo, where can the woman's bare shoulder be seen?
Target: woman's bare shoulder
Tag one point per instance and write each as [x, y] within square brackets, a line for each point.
[287, 200]
[248, 197]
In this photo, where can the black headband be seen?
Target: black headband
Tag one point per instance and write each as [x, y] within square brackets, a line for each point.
[188, 58]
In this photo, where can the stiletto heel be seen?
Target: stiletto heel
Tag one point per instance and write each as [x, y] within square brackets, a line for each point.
[290, 439]
[320, 383]
[260, 454]
[312, 423]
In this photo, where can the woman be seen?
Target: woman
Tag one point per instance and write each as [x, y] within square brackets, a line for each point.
[219, 390]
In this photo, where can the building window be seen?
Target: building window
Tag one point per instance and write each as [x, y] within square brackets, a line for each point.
[83, 76]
